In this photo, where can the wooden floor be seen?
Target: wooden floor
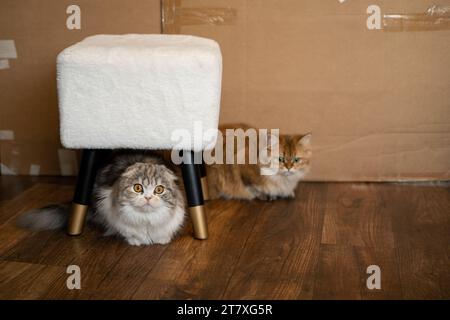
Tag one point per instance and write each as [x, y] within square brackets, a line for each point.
[317, 246]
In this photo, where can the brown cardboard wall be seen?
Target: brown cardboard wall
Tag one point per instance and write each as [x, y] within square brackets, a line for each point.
[28, 106]
[377, 102]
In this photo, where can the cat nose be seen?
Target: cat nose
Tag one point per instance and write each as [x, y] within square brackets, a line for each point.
[147, 198]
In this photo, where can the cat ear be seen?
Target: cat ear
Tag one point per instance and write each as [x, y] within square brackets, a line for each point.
[172, 175]
[169, 174]
[305, 140]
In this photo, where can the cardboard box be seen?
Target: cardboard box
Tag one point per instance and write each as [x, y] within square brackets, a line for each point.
[376, 101]
[40, 29]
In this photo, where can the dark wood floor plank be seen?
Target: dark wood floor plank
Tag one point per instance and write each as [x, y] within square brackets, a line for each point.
[421, 272]
[49, 247]
[12, 186]
[316, 246]
[31, 198]
[357, 233]
[421, 215]
[195, 269]
[95, 264]
[355, 216]
[128, 273]
[444, 277]
[281, 255]
[338, 275]
[386, 259]
[342, 273]
[35, 197]
[421, 223]
[20, 280]
[52, 247]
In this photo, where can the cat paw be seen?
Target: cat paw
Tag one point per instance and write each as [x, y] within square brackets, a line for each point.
[162, 241]
[109, 232]
[290, 196]
[134, 242]
[266, 197]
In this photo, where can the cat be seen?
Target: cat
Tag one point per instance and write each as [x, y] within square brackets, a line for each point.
[135, 196]
[245, 181]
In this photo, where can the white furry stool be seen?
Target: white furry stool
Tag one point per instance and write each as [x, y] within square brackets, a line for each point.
[133, 92]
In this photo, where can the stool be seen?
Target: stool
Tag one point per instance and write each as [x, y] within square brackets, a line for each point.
[134, 92]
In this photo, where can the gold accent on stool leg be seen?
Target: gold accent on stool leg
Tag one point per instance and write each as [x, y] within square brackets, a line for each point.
[76, 219]
[198, 217]
[205, 190]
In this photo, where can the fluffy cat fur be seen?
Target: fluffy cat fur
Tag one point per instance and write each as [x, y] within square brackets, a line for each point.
[244, 181]
[141, 218]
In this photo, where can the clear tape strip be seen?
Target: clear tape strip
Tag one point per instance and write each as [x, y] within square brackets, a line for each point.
[8, 49]
[35, 169]
[436, 18]
[6, 135]
[174, 16]
[5, 171]
[4, 64]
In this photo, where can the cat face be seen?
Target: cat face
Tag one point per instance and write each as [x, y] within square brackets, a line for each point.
[147, 187]
[294, 154]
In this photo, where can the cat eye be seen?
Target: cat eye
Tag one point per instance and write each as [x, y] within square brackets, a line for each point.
[297, 160]
[138, 188]
[281, 159]
[158, 189]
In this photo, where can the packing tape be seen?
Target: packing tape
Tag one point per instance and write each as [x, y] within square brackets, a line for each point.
[5, 171]
[436, 18]
[4, 64]
[68, 163]
[8, 49]
[6, 135]
[35, 169]
[174, 16]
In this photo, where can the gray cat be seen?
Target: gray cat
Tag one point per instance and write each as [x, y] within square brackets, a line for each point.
[135, 196]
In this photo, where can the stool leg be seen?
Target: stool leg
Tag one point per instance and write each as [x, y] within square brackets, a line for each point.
[194, 195]
[83, 192]
[203, 180]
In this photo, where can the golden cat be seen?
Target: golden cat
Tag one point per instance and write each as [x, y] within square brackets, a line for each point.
[244, 181]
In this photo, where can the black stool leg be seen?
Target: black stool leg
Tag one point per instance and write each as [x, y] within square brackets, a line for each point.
[83, 192]
[194, 195]
[203, 180]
